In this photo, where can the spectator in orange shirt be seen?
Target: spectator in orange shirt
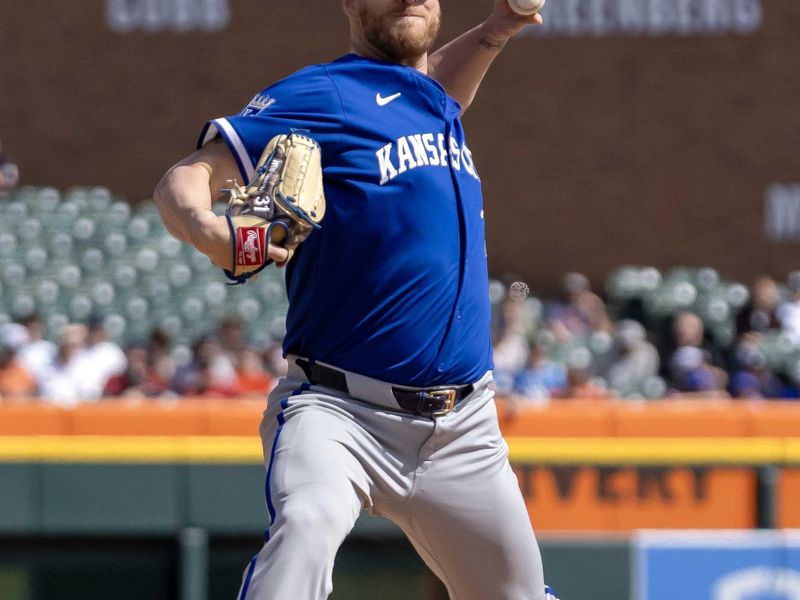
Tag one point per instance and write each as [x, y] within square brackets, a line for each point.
[581, 385]
[15, 380]
[253, 380]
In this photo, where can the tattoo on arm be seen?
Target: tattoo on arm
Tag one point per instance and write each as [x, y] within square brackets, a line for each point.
[491, 43]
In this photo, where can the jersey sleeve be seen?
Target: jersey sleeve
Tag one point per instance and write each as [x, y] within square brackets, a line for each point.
[306, 100]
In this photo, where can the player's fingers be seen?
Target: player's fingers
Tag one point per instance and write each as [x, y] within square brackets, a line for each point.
[537, 19]
[277, 253]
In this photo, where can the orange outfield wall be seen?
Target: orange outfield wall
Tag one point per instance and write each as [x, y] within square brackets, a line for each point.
[565, 418]
[673, 418]
[565, 497]
[134, 417]
[623, 499]
[587, 498]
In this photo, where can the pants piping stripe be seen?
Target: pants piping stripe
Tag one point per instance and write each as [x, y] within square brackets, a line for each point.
[247, 579]
[270, 507]
[281, 422]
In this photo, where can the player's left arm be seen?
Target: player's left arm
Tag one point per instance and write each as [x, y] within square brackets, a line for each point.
[461, 64]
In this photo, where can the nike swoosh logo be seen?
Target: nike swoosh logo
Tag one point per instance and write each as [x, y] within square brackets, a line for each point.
[384, 101]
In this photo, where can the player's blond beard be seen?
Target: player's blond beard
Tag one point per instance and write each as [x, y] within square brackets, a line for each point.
[397, 42]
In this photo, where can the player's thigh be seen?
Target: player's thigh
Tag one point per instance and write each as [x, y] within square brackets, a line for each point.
[469, 517]
[311, 451]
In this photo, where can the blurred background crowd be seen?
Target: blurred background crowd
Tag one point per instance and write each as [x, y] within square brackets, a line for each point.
[577, 346]
[83, 365]
[111, 306]
[686, 333]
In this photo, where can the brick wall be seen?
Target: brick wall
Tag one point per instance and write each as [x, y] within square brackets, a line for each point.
[594, 151]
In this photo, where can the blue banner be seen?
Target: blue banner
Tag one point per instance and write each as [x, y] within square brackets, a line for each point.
[721, 565]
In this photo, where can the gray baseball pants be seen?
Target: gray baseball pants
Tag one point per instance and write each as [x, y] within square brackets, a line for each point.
[445, 481]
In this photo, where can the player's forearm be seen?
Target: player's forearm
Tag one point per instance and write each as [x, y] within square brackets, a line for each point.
[183, 197]
[461, 65]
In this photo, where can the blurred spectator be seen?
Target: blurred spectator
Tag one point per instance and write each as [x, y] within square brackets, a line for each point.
[66, 381]
[579, 313]
[760, 314]
[789, 311]
[688, 331]
[753, 377]
[210, 372]
[14, 335]
[275, 363]
[9, 174]
[232, 338]
[103, 359]
[634, 360]
[580, 383]
[16, 382]
[542, 378]
[509, 343]
[159, 355]
[692, 373]
[207, 382]
[37, 353]
[140, 377]
[252, 378]
[792, 381]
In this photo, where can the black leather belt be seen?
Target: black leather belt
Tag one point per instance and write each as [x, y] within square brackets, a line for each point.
[427, 402]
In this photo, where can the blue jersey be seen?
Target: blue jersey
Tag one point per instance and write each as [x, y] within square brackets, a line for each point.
[395, 284]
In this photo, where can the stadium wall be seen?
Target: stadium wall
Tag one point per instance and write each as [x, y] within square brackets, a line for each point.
[615, 135]
[581, 465]
[128, 494]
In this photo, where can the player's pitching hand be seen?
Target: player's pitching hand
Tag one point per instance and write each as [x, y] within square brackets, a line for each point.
[505, 23]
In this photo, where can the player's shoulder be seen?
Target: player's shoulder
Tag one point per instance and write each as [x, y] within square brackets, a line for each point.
[310, 75]
[308, 90]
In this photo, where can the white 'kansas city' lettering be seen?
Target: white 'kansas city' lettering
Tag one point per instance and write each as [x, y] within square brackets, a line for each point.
[423, 150]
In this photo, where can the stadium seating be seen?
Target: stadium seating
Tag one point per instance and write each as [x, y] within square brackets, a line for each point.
[702, 291]
[87, 253]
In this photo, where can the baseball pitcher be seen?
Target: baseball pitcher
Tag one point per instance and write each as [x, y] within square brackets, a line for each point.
[358, 177]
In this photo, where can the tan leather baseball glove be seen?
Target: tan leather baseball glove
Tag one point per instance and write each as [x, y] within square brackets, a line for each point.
[282, 204]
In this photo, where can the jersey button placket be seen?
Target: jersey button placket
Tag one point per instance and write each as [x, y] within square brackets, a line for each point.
[456, 314]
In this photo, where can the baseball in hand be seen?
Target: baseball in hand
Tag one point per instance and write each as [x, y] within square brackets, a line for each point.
[526, 7]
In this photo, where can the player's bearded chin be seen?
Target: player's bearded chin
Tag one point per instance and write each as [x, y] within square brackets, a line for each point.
[399, 39]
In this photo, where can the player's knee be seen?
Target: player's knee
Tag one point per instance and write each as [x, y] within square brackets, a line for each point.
[319, 519]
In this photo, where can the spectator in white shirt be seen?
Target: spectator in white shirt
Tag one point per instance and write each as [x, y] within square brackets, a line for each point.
[789, 311]
[635, 360]
[104, 359]
[36, 353]
[66, 380]
[510, 345]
